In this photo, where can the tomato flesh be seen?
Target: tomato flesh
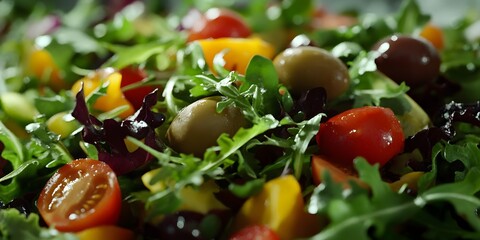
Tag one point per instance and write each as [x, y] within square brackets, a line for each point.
[255, 232]
[80, 195]
[370, 132]
[216, 23]
[320, 164]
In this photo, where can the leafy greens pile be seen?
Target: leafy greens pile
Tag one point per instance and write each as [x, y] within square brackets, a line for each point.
[444, 205]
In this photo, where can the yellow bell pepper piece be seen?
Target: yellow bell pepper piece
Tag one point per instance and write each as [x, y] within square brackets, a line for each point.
[114, 97]
[239, 51]
[41, 64]
[106, 232]
[279, 206]
[200, 200]
[410, 179]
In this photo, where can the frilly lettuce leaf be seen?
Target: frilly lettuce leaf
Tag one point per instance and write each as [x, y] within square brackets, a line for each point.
[14, 225]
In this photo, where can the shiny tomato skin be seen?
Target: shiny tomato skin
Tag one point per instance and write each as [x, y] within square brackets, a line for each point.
[255, 232]
[371, 132]
[131, 75]
[219, 23]
[82, 194]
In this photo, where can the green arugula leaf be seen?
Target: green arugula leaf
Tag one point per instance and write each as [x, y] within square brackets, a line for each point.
[366, 33]
[469, 154]
[262, 73]
[371, 88]
[410, 17]
[296, 12]
[353, 213]
[307, 130]
[140, 53]
[79, 40]
[49, 106]
[28, 159]
[460, 194]
[248, 189]
[185, 170]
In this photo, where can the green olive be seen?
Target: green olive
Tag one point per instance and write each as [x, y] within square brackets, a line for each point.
[198, 126]
[306, 67]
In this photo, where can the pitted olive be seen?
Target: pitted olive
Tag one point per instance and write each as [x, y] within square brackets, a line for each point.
[306, 67]
[198, 126]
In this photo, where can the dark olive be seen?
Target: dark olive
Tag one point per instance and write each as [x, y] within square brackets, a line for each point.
[306, 67]
[407, 59]
[197, 126]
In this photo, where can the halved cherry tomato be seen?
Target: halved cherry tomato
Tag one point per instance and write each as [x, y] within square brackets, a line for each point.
[114, 97]
[255, 232]
[370, 132]
[131, 75]
[106, 232]
[215, 23]
[81, 194]
[433, 34]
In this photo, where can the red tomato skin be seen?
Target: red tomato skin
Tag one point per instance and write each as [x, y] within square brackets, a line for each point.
[371, 132]
[219, 23]
[132, 75]
[255, 232]
[56, 210]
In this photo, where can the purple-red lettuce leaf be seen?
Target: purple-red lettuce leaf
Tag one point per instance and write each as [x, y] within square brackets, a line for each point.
[109, 136]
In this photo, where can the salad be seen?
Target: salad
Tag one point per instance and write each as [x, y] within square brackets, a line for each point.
[227, 120]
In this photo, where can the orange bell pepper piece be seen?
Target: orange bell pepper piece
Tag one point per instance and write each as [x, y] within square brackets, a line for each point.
[239, 51]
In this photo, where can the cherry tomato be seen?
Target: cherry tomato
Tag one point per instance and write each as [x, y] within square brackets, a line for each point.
[255, 232]
[81, 194]
[215, 23]
[106, 232]
[131, 75]
[433, 34]
[407, 59]
[370, 132]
